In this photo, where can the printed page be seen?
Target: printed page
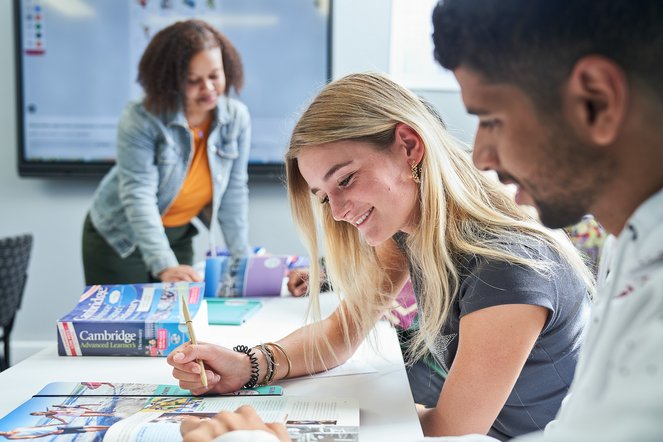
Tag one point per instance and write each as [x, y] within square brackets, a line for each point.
[306, 418]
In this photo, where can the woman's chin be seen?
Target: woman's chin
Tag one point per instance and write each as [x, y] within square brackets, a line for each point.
[375, 240]
[206, 105]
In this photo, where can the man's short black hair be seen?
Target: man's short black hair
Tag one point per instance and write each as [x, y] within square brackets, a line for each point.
[534, 44]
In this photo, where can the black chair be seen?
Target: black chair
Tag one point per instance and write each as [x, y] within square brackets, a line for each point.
[14, 258]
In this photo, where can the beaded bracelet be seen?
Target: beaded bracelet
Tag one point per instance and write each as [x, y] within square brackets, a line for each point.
[271, 364]
[264, 353]
[287, 358]
[275, 365]
[255, 368]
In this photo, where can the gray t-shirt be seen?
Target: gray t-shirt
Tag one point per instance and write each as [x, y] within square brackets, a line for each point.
[548, 371]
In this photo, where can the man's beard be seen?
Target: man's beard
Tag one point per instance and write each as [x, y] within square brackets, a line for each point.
[576, 174]
[558, 215]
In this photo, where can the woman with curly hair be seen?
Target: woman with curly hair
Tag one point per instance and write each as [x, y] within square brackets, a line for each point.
[182, 152]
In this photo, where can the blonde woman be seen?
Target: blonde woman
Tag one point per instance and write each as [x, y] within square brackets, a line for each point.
[502, 301]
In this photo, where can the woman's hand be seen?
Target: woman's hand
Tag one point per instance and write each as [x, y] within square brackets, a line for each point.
[226, 370]
[180, 273]
[194, 429]
[298, 282]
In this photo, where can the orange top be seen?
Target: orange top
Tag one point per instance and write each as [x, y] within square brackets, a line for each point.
[196, 191]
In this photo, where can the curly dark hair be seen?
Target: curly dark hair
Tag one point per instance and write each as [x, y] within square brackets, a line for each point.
[163, 68]
[534, 44]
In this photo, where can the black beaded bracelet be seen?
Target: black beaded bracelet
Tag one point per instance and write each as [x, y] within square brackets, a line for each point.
[255, 368]
[271, 364]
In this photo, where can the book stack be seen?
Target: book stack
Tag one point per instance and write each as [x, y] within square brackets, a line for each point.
[130, 319]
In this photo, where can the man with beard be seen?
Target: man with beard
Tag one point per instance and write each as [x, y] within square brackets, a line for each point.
[570, 105]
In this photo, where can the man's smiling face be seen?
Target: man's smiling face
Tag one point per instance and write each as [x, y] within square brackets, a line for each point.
[542, 158]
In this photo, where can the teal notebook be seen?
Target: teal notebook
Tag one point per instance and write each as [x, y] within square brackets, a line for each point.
[231, 311]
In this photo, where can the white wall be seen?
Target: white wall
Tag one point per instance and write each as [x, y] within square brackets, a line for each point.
[53, 209]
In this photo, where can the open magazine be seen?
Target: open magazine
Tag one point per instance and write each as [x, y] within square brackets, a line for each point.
[103, 411]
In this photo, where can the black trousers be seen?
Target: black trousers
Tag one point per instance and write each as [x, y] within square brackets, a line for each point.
[102, 264]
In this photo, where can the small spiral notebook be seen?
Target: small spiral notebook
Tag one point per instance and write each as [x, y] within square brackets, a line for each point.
[231, 311]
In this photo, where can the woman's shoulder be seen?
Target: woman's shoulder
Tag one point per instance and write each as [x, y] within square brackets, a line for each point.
[135, 112]
[135, 108]
[237, 105]
[487, 281]
[231, 110]
[535, 248]
[137, 122]
[528, 248]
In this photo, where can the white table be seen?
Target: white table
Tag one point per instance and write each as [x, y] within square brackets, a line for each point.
[387, 408]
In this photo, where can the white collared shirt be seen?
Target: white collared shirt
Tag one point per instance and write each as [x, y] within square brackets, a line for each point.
[617, 392]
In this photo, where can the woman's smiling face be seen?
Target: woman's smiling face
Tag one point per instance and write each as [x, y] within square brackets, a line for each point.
[206, 82]
[371, 189]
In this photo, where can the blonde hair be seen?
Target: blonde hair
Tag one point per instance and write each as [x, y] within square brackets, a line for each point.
[463, 211]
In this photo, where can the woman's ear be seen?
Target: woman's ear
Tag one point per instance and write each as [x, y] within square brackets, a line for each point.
[407, 139]
[596, 99]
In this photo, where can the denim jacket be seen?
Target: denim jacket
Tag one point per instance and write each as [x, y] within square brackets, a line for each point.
[153, 156]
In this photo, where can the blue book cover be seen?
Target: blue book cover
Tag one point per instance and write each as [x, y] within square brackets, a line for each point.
[129, 319]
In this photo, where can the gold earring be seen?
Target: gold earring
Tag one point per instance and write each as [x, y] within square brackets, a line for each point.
[415, 173]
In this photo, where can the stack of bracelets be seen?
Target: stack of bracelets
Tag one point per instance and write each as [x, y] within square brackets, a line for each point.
[272, 366]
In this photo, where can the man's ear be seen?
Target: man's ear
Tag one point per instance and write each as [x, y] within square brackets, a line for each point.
[409, 140]
[596, 99]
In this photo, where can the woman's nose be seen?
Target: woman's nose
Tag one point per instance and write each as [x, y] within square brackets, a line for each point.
[338, 208]
[208, 85]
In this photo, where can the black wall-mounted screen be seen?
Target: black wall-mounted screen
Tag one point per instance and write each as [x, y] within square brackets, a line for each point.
[77, 65]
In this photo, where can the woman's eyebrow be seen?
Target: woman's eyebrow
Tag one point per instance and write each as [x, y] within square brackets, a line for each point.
[332, 170]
